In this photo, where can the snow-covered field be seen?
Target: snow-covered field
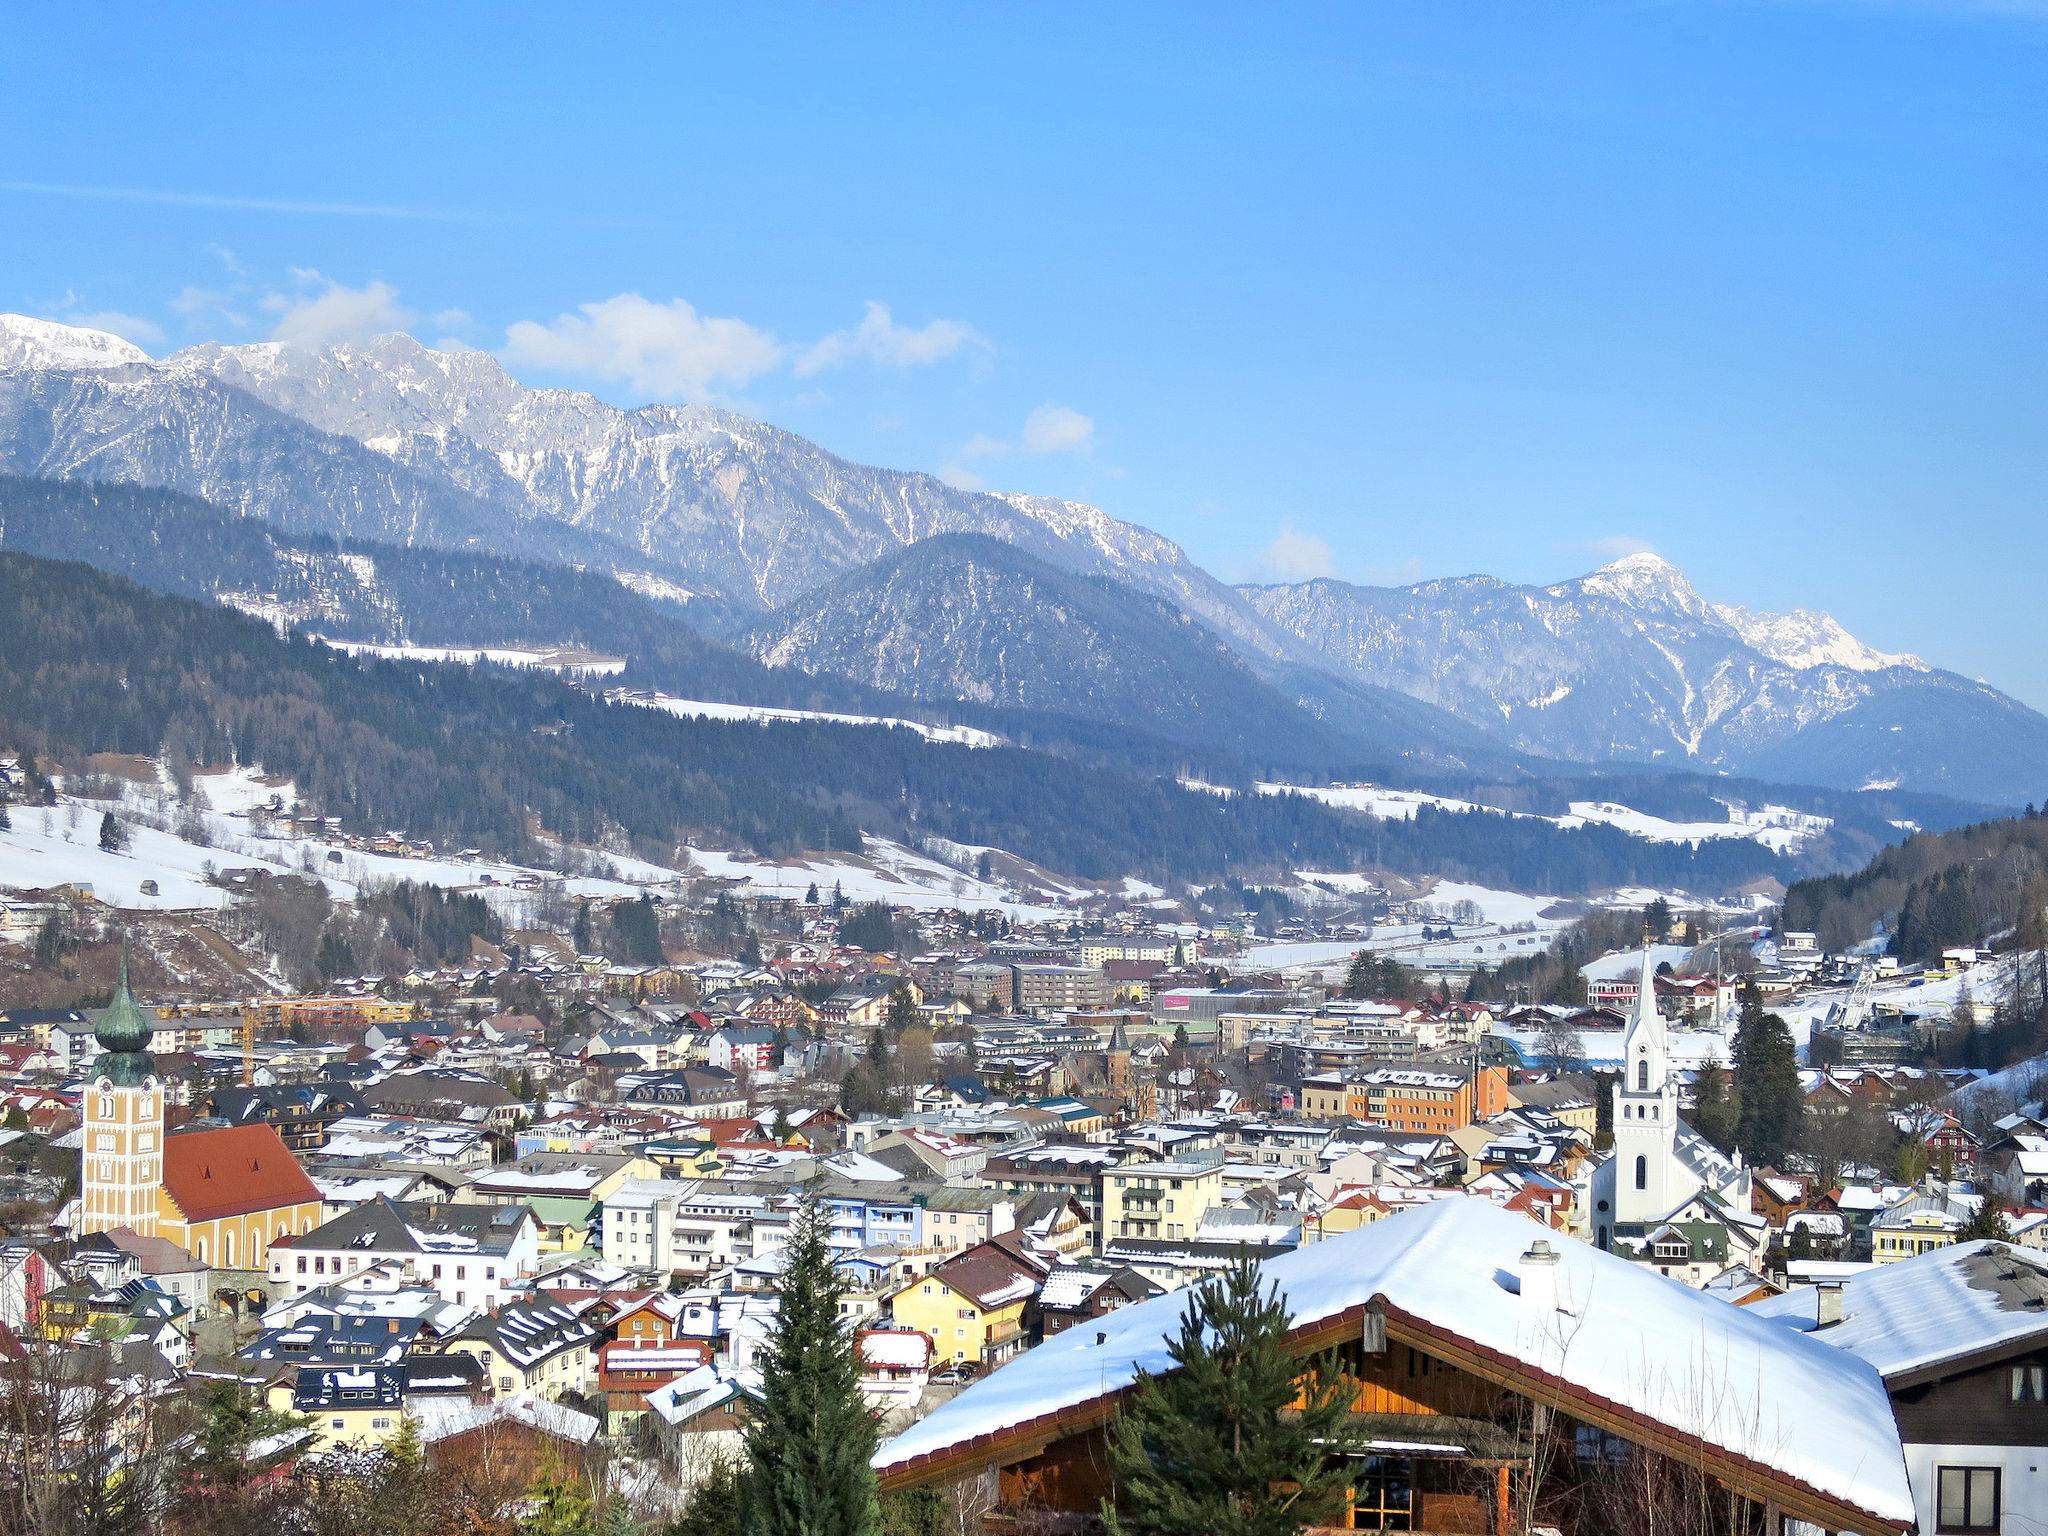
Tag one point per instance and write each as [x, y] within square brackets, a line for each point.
[1774, 826]
[1387, 804]
[708, 709]
[1506, 909]
[59, 845]
[883, 871]
[569, 659]
[1690, 1049]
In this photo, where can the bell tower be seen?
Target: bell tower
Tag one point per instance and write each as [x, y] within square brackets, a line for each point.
[1645, 1112]
[122, 1168]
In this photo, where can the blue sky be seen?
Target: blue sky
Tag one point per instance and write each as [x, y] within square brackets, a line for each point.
[1384, 291]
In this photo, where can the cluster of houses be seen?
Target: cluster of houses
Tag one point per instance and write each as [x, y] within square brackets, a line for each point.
[404, 1200]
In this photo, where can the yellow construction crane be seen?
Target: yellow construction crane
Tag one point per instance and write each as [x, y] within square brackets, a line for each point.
[248, 1047]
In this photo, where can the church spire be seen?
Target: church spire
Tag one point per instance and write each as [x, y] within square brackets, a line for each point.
[123, 1033]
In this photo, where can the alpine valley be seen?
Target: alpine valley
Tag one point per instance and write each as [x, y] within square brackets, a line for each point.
[396, 494]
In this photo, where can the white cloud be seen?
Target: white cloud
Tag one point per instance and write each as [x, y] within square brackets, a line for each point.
[982, 446]
[1296, 556]
[1058, 429]
[132, 327]
[878, 339]
[666, 350]
[1049, 429]
[961, 479]
[335, 313]
[194, 304]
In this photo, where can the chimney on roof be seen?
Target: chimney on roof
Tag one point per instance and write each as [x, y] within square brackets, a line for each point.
[1827, 1304]
[1536, 1272]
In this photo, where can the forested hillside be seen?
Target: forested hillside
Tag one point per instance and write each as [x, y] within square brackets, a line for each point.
[93, 663]
[1969, 886]
[423, 596]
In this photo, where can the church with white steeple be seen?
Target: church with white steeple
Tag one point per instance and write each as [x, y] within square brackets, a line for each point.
[1667, 1195]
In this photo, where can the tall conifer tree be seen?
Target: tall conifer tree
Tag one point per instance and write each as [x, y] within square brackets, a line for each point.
[811, 1438]
[1217, 1447]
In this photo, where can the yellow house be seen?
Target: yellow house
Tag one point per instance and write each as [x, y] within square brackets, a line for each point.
[1162, 1200]
[345, 1405]
[1922, 1224]
[538, 1347]
[972, 1306]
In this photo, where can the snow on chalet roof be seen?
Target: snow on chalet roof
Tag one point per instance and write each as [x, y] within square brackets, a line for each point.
[1818, 1416]
[1924, 1311]
[440, 1420]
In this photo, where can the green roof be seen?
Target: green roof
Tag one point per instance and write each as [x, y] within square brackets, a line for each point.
[123, 1034]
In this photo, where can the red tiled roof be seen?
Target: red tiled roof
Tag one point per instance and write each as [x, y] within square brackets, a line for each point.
[232, 1171]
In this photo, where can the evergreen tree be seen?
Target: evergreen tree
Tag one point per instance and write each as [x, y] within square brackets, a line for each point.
[1218, 1447]
[750, 951]
[337, 956]
[1987, 1221]
[112, 838]
[636, 932]
[1657, 919]
[1358, 980]
[6, 821]
[903, 1013]
[810, 1439]
[579, 930]
[1715, 1112]
[811, 894]
[714, 1507]
[561, 1505]
[1769, 1102]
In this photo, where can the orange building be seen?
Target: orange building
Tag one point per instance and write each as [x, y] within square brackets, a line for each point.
[1439, 1099]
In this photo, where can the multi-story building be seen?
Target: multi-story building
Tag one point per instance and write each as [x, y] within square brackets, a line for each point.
[1161, 1199]
[472, 1255]
[1046, 989]
[1417, 1098]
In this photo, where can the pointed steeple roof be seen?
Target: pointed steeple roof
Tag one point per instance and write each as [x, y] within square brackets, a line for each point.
[123, 1033]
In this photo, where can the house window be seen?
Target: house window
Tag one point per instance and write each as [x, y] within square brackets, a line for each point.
[1966, 1499]
[2030, 1384]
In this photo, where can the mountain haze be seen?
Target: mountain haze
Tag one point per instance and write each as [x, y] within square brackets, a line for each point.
[966, 617]
[1630, 663]
[400, 444]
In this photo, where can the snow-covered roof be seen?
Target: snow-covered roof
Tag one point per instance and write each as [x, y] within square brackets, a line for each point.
[1819, 1417]
[1922, 1311]
[439, 1420]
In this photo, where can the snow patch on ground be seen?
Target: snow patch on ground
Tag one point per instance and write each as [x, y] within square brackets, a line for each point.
[563, 658]
[708, 709]
[882, 871]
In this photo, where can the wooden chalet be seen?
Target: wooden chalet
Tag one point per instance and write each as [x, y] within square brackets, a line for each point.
[1505, 1377]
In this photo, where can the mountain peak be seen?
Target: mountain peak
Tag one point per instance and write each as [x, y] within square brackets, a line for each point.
[26, 342]
[1643, 581]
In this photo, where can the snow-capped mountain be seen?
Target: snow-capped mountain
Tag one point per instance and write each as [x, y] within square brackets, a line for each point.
[414, 444]
[1630, 662]
[26, 342]
[395, 442]
[966, 617]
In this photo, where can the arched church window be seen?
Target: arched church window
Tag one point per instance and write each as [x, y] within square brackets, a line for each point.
[1643, 1076]
[1642, 1173]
